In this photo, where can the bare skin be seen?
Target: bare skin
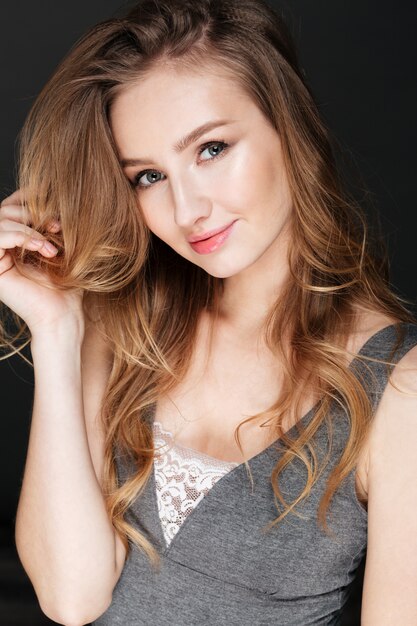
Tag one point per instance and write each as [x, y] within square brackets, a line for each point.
[41, 307]
[240, 380]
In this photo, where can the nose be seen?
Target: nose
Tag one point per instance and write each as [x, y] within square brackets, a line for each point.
[191, 203]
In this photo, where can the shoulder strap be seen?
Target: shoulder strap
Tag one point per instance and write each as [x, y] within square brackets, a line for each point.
[388, 344]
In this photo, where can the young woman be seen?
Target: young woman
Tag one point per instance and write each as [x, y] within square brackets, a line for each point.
[225, 410]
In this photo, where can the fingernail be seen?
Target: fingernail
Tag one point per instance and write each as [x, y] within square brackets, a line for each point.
[49, 247]
[37, 242]
[54, 224]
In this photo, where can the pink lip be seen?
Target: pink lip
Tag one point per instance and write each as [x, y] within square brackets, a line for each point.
[208, 234]
[209, 244]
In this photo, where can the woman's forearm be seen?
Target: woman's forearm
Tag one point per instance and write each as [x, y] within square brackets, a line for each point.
[64, 536]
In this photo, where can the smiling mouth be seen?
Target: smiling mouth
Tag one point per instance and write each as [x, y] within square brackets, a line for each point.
[209, 234]
[213, 242]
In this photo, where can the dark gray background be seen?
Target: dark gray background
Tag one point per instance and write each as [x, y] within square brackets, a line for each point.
[359, 58]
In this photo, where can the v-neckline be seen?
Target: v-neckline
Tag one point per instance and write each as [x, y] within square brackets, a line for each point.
[229, 475]
[294, 426]
[254, 459]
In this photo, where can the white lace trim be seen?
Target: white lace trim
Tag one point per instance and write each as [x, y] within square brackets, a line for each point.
[183, 476]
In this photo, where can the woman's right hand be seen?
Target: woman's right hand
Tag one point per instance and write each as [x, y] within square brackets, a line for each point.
[40, 307]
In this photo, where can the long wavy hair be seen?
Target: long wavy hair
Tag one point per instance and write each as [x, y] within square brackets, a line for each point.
[145, 298]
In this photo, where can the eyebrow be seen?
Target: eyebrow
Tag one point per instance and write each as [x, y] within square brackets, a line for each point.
[183, 143]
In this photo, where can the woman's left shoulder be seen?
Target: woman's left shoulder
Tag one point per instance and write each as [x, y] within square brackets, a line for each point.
[390, 574]
[398, 404]
[394, 424]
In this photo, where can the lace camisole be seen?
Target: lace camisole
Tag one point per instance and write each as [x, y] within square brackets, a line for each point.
[183, 477]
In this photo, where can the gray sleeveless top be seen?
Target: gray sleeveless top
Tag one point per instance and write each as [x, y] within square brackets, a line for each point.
[222, 569]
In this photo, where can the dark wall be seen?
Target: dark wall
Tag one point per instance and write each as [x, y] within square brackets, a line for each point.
[359, 58]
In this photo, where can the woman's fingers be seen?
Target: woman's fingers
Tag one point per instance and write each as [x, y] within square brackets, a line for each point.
[11, 208]
[15, 198]
[15, 213]
[54, 226]
[16, 232]
[29, 239]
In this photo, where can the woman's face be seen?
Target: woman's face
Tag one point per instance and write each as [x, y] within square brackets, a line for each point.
[227, 176]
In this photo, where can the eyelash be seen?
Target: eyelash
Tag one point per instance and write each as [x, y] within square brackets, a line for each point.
[209, 144]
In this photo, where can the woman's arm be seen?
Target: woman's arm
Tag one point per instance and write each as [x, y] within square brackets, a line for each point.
[390, 583]
[64, 536]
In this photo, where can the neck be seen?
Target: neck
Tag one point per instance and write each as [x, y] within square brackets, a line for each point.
[249, 296]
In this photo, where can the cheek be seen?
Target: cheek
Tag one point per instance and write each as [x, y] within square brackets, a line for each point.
[151, 210]
[272, 188]
[239, 182]
[259, 173]
[159, 228]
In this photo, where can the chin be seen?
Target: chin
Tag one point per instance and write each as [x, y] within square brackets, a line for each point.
[225, 267]
[218, 274]
[223, 272]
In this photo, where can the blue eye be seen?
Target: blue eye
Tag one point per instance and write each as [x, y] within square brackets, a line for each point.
[145, 174]
[213, 144]
[153, 176]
